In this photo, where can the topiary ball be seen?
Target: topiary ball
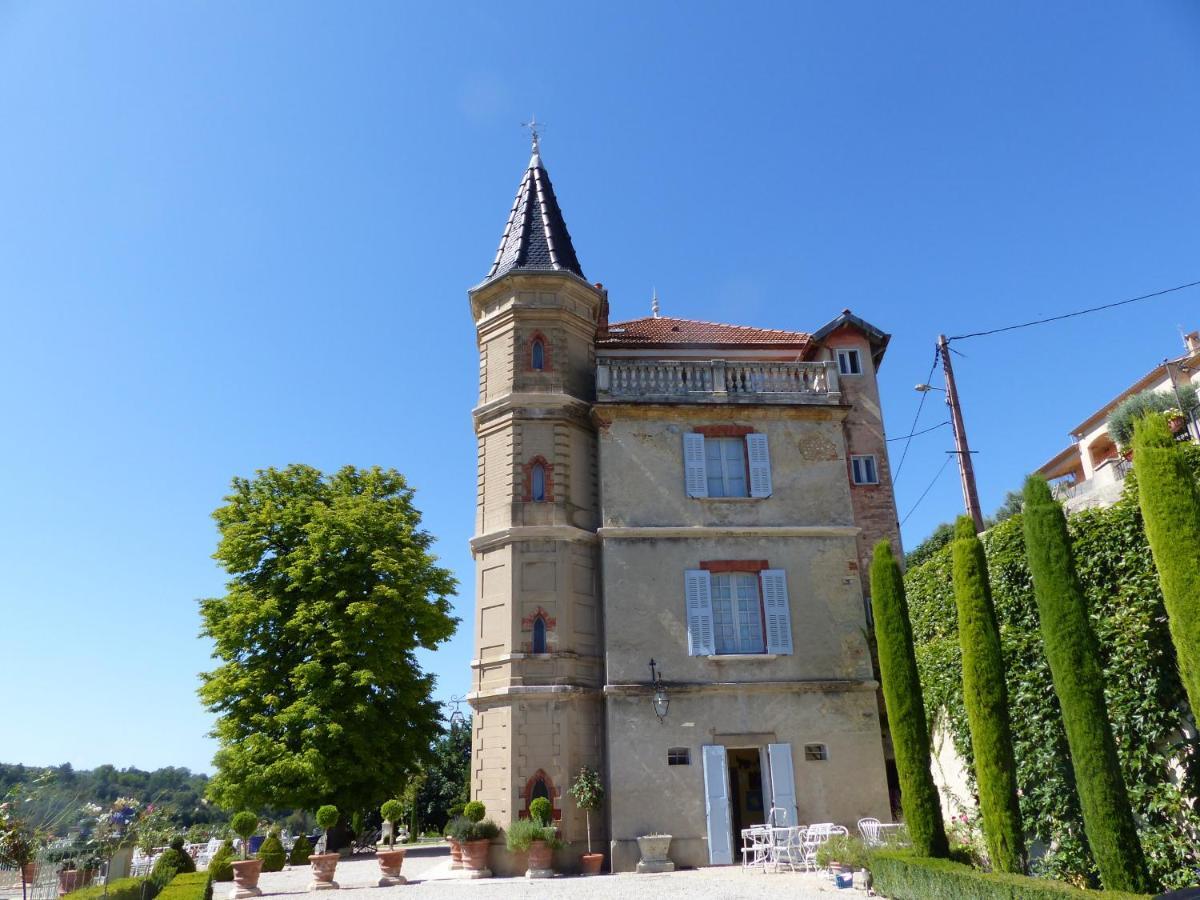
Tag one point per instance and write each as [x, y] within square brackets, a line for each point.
[540, 810]
[301, 851]
[475, 811]
[272, 854]
[327, 816]
[392, 811]
[244, 823]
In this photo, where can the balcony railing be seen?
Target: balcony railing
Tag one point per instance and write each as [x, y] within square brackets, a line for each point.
[717, 381]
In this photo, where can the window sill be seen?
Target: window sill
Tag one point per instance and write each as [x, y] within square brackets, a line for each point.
[731, 499]
[741, 657]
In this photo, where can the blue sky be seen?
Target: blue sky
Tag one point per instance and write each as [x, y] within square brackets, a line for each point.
[240, 235]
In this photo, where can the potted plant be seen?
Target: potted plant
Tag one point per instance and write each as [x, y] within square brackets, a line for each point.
[476, 839]
[18, 848]
[535, 836]
[654, 848]
[842, 855]
[325, 864]
[245, 870]
[454, 831]
[588, 793]
[1176, 420]
[391, 859]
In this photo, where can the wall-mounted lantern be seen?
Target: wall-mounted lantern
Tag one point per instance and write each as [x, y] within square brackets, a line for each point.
[661, 701]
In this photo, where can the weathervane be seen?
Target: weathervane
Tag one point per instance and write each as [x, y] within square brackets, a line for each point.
[535, 130]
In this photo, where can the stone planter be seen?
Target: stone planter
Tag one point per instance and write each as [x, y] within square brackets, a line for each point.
[590, 863]
[654, 849]
[389, 867]
[862, 880]
[455, 854]
[245, 878]
[475, 858]
[323, 867]
[541, 860]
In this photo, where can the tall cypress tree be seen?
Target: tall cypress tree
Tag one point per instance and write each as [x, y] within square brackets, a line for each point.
[986, 700]
[1170, 503]
[1074, 658]
[905, 705]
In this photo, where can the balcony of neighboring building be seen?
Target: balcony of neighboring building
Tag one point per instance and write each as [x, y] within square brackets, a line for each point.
[647, 380]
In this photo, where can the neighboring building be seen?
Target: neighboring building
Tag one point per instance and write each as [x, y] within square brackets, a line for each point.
[698, 494]
[1091, 471]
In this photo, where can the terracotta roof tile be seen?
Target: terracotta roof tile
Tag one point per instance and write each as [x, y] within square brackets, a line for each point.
[667, 330]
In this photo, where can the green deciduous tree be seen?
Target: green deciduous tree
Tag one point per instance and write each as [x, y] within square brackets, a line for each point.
[332, 590]
[905, 707]
[987, 702]
[446, 781]
[1170, 503]
[1078, 677]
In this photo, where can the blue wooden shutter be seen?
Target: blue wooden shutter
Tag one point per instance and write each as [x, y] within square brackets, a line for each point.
[778, 611]
[760, 465]
[693, 463]
[697, 592]
[716, 805]
[783, 781]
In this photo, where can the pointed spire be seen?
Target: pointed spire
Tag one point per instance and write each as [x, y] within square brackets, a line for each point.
[654, 303]
[536, 236]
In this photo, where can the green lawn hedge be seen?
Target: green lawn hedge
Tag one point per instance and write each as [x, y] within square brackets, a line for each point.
[190, 886]
[121, 889]
[902, 876]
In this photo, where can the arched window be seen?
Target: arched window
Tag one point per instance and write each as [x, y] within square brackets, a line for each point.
[537, 354]
[540, 789]
[539, 635]
[537, 483]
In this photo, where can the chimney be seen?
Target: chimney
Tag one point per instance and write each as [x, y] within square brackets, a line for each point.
[1192, 342]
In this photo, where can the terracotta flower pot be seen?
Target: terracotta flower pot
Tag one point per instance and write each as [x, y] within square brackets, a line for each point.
[455, 854]
[74, 879]
[323, 867]
[389, 867]
[245, 878]
[541, 860]
[1177, 424]
[591, 863]
[29, 872]
[475, 858]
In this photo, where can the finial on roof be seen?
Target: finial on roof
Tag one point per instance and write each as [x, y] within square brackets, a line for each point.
[654, 303]
[535, 135]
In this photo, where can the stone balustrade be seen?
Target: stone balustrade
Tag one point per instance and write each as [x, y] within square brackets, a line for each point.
[716, 381]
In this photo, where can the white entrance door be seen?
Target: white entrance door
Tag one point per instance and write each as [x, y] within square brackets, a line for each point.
[716, 802]
[783, 782]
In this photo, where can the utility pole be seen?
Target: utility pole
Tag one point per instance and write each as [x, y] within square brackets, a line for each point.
[966, 469]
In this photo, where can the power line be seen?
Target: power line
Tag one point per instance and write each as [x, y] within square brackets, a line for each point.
[1081, 312]
[913, 427]
[949, 456]
[919, 433]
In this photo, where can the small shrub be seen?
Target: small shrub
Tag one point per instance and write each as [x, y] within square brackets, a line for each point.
[121, 889]
[455, 810]
[301, 851]
[843, 849]
[220, 867]
[272, 854]
[522, 833]
[541, 810]
[487, 830]
[1121, 419]
[392, 811]
[457, 827]
[475, 811]
[327, 816]
[188, 886]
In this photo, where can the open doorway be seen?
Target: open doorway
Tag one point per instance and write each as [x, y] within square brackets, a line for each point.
[745, 790]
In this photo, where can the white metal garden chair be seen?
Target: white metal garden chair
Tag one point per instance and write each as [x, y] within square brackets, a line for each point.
[756, 847]
[869, 829]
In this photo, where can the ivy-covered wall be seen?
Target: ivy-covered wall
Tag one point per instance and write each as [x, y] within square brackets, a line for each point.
[1145, 699]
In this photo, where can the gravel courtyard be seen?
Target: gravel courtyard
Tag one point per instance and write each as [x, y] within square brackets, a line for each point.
[429, 874]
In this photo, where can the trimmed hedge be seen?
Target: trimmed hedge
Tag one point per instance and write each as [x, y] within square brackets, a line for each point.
[905, 706]
[1170, 504]
[903, 876]
[1078, 677]
[188, 886]
[301, 851]
[121, 889]
[272, 854]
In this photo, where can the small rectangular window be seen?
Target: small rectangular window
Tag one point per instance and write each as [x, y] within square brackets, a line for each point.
[725, 464]
[679, 756]
[864, 470]
[849, 362]
[815, 753]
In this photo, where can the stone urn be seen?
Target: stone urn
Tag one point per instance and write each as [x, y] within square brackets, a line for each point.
[245, 878]
[389, 867]
[323, 867]
[590, 863]
[475, 858]
[654, 849]
[455, 854]
[541, 860]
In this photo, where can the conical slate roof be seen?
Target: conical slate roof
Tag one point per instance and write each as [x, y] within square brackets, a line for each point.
[536, 237]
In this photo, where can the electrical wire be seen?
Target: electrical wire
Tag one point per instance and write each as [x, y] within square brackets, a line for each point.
[949, 456]
[919, 433]
[912, 428]
[1071, 315]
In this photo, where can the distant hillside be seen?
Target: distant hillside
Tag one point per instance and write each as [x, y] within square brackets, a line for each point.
[57, 789]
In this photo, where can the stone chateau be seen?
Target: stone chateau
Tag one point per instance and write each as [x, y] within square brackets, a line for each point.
[698, 495]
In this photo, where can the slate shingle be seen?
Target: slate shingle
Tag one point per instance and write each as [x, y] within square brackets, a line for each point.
[536, 236]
